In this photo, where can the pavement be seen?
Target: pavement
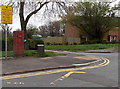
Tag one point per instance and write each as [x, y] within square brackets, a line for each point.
[103, 75]
[104, 51]
[91, 51]
[31, 64]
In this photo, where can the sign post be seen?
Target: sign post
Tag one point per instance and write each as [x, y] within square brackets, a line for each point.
[5, 18]
[6, 41]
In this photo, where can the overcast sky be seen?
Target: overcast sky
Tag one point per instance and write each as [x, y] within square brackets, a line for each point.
[38, 19]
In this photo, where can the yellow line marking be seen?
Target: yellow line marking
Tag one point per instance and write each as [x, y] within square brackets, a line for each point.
[106, 62]
[87, 57]
[65, 76]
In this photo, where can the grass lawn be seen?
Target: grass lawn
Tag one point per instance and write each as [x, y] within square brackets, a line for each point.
[82, 47]
[31, 53]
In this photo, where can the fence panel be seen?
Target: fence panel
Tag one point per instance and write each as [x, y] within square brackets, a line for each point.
[61, 40]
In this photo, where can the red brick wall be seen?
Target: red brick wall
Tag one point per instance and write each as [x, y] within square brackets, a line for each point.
[115, 31]
[106, 36]
[71, 31]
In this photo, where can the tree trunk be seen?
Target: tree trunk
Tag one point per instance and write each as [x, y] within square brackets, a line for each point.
[22, 20]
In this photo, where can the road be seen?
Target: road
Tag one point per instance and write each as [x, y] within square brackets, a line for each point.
[104, 76]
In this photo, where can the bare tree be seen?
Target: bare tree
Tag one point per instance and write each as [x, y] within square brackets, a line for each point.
[27, 9]
[55, 28]
[3, 27]
[43, 30]
[31, 30]
[37, 7]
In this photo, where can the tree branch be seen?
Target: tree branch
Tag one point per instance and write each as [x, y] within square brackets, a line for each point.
[35, 11]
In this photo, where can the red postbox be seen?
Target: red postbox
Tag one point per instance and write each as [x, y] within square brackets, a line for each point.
[18, 43]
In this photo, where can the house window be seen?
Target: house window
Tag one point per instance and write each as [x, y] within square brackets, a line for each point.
[112, 37]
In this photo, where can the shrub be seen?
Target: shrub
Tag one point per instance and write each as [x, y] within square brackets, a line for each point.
[31, 43]
[75, 43]
[66, 43]
[57, 43]
[34, 42]
[95, 42]
[114, 41]
[10, 44]
[118, 41]
[83, 42]
[48, 43]
[104, 42]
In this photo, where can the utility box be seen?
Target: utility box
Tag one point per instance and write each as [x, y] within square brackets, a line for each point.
[40, 48]
[18, 43]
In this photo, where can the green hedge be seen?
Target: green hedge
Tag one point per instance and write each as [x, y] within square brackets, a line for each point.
[100, 42]
[10, 44]
[32, 43]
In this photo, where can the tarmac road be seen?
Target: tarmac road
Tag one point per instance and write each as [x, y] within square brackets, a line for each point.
[106, 76]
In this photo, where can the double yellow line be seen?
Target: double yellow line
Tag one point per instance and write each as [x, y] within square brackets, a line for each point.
[104, 63]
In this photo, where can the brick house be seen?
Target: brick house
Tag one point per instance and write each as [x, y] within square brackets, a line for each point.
[71, 32]
[113, 34]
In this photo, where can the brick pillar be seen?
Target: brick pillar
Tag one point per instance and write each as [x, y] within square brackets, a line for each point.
[18, 43]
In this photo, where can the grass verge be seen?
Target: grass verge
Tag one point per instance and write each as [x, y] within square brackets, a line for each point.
[81, 47]
[29, 53]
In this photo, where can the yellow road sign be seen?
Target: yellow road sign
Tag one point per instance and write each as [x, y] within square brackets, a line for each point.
[5, 14]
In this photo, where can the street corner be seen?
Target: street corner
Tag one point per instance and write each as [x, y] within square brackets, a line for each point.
[89, 65]
[89, 60]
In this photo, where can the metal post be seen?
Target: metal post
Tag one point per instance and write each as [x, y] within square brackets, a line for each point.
[5, 40]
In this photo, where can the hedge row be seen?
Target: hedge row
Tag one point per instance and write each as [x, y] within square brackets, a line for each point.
[101, 42]
[10, 44]
[32, 43]
[29, 44]
[88, 42]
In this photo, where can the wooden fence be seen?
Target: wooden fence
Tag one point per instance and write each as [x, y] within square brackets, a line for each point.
[61, 40]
